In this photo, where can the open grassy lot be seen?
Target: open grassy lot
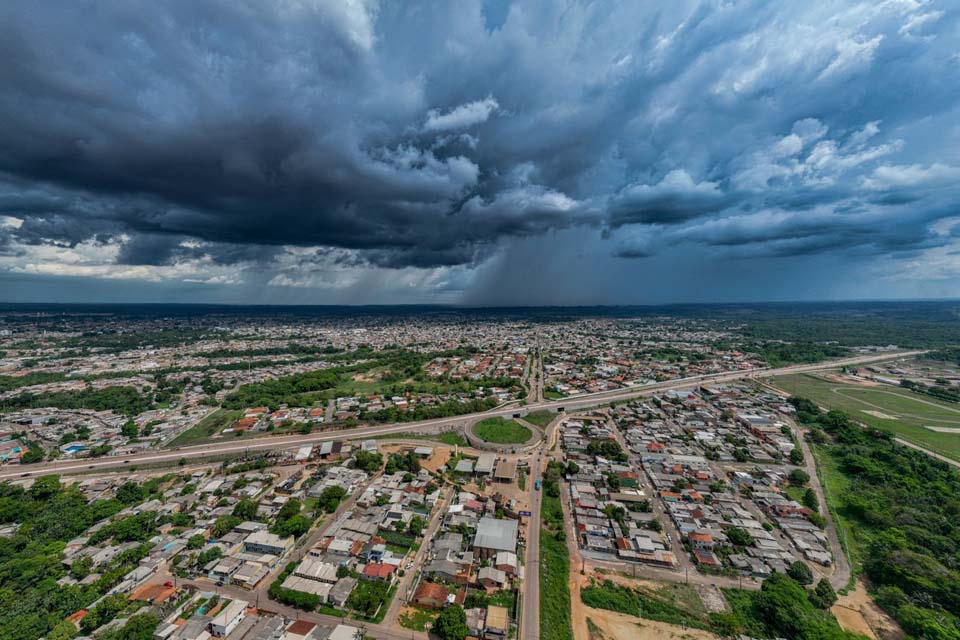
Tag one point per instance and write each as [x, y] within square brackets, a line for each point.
[417, 619]
[540, 418]
[208, 426]
[903, 413]
[448, 437]
[502, 431]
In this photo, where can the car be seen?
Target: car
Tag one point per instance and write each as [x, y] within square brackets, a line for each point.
[168, 584]
[92, 466]
[25, 475]
[126, 462]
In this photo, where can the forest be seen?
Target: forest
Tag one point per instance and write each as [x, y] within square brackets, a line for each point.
[902, 509]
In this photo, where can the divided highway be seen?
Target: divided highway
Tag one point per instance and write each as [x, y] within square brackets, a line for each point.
[267, 443]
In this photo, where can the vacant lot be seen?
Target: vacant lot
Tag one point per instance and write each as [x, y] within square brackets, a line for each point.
[898, 411]
[502, 431]
[207, 427]
[540, 418]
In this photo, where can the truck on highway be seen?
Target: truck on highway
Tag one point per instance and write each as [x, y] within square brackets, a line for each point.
[536, 485]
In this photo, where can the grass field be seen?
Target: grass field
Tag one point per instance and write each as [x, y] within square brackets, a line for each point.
[540, 418]
[448, 437]
[901, 412]
[502, 431]
[208, 426]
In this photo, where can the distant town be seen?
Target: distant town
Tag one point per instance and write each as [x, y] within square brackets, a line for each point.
[451, 474]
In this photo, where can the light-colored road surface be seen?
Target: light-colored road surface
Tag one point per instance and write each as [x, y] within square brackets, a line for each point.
[267, 443]
[404, 594]
[530, 616]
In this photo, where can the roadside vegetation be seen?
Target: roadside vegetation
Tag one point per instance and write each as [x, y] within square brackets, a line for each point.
[555, 620]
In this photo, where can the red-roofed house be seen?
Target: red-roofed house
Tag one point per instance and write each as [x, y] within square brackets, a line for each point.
[431, 595]
[378, 571]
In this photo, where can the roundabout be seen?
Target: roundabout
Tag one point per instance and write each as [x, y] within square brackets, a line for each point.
[502, 434]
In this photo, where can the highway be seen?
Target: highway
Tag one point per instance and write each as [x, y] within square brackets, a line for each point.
[268, 443]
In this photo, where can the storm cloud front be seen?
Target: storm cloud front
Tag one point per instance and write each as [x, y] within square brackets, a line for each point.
[479, 153]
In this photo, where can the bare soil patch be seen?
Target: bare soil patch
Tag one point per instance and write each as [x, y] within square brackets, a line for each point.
[881, 415]
[858, 613]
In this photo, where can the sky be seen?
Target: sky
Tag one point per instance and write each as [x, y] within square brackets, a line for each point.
[479, 153]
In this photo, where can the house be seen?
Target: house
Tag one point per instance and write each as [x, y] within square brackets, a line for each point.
[703, 541]
[706, 559]
[431, 595]
[265, 542]
[506, 561]
[345, 632]
[497, 623]
[341, 591]
[301, 630]
[493, 536]
[506, 471]
[484, 464]
[378, 571]
[229, 617]
[492, 578]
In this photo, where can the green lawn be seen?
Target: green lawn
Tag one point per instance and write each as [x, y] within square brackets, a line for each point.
[540, 418]
[208, 426]
[502, 431]
[448, 437]
[904, 413]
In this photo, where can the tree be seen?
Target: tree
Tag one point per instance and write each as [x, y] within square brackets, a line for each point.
[245, 509]
[33, 454]
[64, 630]
[810, 500]
[451, 624]
[330, 498]
[81, 567]
[131, 493]
[129, 429]
[823, 596]
[799, 477]
[739, 537]
[45, 487]
[796, 457]
[369, 462]
[416, 525]
[195, 541]
[800, 572]
[224, 525]
[211, 554]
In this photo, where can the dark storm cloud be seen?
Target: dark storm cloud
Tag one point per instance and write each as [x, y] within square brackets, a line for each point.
[395, 135]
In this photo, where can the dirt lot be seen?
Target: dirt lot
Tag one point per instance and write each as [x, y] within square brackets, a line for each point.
[857, 612]
[610, 625]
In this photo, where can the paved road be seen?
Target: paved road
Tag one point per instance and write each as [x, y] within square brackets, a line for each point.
[530, 616]
[267, 443]
[404, 594]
